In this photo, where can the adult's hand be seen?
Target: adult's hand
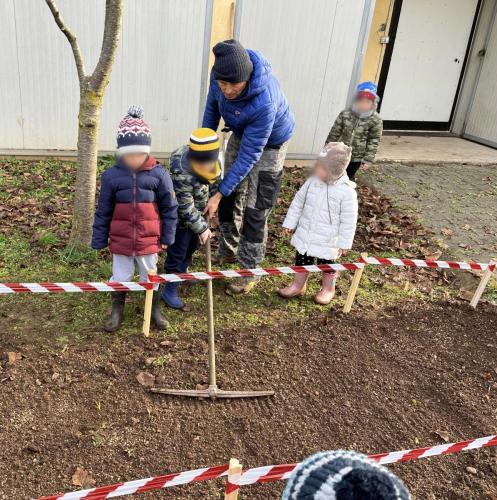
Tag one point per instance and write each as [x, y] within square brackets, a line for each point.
[212, 205]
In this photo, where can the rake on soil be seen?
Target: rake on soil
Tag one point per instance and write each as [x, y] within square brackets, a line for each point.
[213, 392]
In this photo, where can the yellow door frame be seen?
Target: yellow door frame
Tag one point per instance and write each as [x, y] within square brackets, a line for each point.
[378, 39]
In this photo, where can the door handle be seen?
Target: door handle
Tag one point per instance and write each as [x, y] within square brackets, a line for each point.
[482, 53]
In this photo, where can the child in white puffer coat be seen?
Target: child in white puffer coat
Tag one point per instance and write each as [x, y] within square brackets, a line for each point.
[323, 220]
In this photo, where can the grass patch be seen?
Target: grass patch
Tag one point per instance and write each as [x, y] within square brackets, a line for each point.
[37, 253]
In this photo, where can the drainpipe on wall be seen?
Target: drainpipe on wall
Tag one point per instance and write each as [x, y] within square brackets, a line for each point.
[362, 43]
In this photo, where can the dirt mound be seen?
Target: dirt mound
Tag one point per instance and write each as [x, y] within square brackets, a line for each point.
[374, 381]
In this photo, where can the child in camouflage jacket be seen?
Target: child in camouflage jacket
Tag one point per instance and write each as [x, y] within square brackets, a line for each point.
[196, 174]
[359, 126]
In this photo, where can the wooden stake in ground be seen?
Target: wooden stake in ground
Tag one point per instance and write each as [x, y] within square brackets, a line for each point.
[147, 310]
[353, 287]
[234, 473]
[483, 284]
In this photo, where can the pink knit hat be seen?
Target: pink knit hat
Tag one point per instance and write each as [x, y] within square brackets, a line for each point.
[334, 158]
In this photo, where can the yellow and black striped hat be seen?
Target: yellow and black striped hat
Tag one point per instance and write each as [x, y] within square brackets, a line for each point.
[204, 145]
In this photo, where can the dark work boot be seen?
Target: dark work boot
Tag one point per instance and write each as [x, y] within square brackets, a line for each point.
[157, 318]
[115, 317]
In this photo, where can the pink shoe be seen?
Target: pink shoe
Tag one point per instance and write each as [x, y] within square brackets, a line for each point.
[327, 292]
[297, 288]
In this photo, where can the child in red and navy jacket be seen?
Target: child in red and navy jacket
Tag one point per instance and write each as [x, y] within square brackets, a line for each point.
[136, 214]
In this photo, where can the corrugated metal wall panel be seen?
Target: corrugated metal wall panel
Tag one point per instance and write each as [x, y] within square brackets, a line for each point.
[312, 50]
[48, 78]
[159, 65]
[482, 123]
[10, 91]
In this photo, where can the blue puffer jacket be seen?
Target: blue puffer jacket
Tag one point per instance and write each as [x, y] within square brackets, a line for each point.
[261, 117]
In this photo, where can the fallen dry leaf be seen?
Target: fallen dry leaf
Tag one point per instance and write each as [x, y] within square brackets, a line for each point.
[434, 255]
[443, 435]
[82, 478]
[466, 294]
[13, 357]
[146, 379]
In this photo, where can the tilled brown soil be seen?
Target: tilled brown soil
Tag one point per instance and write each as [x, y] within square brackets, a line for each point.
[374, 381]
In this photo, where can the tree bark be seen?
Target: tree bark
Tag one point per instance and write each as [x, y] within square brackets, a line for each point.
[90, 106]
[91, 93]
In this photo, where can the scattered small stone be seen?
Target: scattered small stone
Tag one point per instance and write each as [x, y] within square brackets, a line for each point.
[471, 470]
[149, 361]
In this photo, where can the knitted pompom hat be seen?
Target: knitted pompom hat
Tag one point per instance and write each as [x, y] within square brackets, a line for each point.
[203, 145]
[133, 133]
[343, 475]
[334, 158]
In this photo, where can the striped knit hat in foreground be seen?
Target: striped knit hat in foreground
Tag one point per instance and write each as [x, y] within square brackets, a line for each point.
[133, 133]
[343, 475]
[203, 146]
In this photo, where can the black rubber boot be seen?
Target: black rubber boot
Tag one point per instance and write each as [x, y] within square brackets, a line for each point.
[157, 318]
[114, 320]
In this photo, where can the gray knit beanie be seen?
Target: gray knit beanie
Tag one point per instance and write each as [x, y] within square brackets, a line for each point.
[232, 63]
[343, 475]
[334, 158]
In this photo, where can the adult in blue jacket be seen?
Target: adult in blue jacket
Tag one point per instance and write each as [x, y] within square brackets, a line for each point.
[244, 92]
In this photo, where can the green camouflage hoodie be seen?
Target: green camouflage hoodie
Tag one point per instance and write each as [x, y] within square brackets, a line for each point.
[192, 192]
[363, 134]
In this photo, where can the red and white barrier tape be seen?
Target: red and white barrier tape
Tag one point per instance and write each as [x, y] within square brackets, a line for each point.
[276, 271]
[124, 286]
[248, 273]
[258, 474]
[130, 286]
[143, 485]
[438, 264]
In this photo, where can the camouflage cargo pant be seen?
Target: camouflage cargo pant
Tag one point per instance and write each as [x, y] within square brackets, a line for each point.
[243, 215]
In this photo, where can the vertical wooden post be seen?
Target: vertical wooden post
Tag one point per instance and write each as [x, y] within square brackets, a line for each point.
[481, 287]
[353, 287]
[147, 310]
[234, 473]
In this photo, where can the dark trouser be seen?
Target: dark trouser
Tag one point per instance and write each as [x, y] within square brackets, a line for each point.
[243, 215]
[307, 260]
[352, 169]
[179, 254]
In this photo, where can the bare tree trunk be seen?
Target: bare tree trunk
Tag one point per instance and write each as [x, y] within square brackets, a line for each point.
[91, 94]
[90, 106]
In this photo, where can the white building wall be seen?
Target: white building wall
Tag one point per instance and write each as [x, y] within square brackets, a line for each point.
[159, 64]
[481, 122]
[473, 65]
[312, 46]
